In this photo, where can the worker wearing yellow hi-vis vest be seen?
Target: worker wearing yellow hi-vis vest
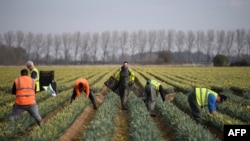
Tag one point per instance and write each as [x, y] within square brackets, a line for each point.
[126, 78]
[201, 97]
[34, 73]
[151, 90]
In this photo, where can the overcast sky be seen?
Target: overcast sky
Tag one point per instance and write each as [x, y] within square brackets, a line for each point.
[59, 16]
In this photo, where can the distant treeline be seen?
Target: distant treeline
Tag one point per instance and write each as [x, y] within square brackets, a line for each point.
[12, 56]
[113, 47]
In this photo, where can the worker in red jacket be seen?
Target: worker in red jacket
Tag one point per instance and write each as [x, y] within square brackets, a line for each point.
[24, 88]
[82, 85]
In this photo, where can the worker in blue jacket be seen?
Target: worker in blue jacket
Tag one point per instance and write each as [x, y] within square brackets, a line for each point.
[201, 97]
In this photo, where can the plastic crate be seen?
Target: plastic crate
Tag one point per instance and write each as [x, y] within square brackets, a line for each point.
[112, 84]
[46, 78]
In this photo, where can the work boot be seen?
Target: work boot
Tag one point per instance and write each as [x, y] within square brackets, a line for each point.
[152, 113]
[124, 107]
[41, 123]
[95, 107]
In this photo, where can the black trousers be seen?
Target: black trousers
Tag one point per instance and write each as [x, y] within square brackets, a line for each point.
[124, 97]
[195, 108]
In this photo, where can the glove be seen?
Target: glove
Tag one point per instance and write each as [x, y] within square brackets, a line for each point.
[131, 83]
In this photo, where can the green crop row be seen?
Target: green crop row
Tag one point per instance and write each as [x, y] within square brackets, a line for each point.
[102, 126]
[59, 123]
[142, 127]
[184, 128]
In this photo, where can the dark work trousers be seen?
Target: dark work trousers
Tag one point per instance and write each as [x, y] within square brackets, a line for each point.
[162, 93]
[150, 98]
[195, 108]
[31, 109]
[91, 97]
[124, 97]
[124, 88]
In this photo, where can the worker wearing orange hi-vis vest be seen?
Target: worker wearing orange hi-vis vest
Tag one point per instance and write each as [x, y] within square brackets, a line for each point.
[24, 88]
[82, 85]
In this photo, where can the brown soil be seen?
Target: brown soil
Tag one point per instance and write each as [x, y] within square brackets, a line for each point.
[121, 126]
[166, 133]
[76, 130]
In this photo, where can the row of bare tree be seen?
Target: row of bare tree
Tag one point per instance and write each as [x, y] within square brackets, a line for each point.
[108, 46]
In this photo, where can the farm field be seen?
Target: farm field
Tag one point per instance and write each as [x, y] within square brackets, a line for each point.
[79, 121]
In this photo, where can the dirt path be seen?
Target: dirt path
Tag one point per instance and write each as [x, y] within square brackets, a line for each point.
[121, 126]
[76, 130]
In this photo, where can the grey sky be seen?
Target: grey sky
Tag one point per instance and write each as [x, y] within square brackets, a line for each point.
[59, 16]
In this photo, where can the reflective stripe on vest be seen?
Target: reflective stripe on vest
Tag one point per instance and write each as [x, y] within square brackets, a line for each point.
[25, 90]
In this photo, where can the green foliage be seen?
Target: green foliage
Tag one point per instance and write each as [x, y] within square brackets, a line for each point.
[142, 127]
[220, 60]
[102, 126]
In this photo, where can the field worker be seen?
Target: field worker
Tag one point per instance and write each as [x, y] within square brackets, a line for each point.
[126, 78]
[34, 73]
[82, 85]
[151, 90]
[24, 89]
[201, 97]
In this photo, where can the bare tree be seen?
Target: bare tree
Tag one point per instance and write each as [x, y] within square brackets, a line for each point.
[57, 45]
[29, 40]
[9, 38]
[240, 41]
[114, 44]
[133, 45]
[123, 42]
[142, 41]
[229, 42]
[160, 39]
[94, 46]
[180, 38]
[67, 40]
[170, 39]
[20, 38]
[209, 43]
[39, 43]
[248, 42]
[151, 41]
[48, 43]
[84, 47]
[105, 37]
[200, 43]
[1, 40]
[190, 43]
[77, 42]
[220, 40]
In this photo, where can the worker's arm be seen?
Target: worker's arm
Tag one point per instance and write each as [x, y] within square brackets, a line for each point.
[212, 103]
[14, 89]
[33, 75]
[117, 75]
[86, 86]
[132, 76]
[76, 90]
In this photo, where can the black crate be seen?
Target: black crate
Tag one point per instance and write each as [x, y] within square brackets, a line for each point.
[113, 84]
[46, 78]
